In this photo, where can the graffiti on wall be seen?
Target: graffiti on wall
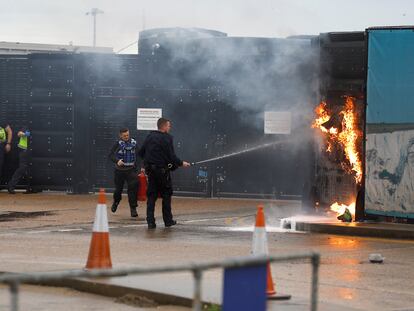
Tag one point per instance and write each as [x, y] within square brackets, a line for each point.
[390, 172]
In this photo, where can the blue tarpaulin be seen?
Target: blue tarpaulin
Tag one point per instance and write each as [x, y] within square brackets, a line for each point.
[390, 86]
[389, 182]
[245, 289]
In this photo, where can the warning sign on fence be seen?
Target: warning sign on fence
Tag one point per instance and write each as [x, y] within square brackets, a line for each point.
[147, 118]
[277, 122]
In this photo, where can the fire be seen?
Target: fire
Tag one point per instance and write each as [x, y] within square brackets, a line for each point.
[340, 209]
[347, 137]
[341, 133]
[324, 116]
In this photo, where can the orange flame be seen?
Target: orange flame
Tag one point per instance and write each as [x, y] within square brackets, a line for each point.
[324, 116]
[340, 208]
[347, 138]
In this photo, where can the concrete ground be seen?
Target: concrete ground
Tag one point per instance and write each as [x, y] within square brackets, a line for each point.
[41, 298]
[52, 231]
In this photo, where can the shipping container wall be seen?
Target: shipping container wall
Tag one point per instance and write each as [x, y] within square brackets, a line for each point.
[14, 104]
[215, 92]
[390, 123]
[342, 73]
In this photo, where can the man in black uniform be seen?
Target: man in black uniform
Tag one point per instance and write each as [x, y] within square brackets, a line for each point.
[159, 159]
[6, 136]
[124, 155]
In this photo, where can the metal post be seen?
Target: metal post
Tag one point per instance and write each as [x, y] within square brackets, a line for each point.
[314, 290]
[14, 280]
[94, 12]
[14, 293]
[94, 30]
[197, 290]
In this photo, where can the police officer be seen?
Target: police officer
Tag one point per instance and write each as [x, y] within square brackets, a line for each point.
[159, 159]
[22, 147]
[6, 136]
[124, 155]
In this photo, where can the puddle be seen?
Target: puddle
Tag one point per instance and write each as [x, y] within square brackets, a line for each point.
[12, 216]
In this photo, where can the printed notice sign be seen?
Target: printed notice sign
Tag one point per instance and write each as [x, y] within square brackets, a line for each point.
[277, 122]
[147, 118]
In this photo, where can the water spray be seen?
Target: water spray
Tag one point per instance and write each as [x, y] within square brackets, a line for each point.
[239, 152]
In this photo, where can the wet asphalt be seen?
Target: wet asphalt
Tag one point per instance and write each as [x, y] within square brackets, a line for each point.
[57, 233]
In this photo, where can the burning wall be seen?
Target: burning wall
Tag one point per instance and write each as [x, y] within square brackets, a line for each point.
[341, 133]
[339, 119]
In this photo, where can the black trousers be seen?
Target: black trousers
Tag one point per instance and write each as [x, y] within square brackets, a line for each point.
[2, 154]
[159, 182]
[131, 178]
[21, 170]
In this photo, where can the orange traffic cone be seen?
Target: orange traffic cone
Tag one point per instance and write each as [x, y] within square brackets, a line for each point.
[260, 248]
[99, 252]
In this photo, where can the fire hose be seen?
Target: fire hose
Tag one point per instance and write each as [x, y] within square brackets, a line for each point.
[239, 152]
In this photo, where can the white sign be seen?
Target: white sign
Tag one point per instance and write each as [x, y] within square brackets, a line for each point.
[147, 118]
[277, 122]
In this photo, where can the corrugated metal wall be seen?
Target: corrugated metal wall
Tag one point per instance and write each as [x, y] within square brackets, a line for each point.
[14, 101]
[75, 104]
[342, 72]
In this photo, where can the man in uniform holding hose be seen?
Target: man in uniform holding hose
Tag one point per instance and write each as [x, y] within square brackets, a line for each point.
[159, 160]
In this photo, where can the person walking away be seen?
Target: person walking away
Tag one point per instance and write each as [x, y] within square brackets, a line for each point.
[159, 160]
[6, 135]
[124, 155]
[23, 150]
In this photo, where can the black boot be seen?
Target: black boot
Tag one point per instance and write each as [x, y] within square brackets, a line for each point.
[114, 207]
[11, 190]
[171, 223]
[133, 211]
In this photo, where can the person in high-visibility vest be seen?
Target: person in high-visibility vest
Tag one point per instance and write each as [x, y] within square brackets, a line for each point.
[124, 156]
[23, 148]
[6, 135]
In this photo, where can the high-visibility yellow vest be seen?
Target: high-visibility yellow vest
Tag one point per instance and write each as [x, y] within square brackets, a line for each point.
[22, 142]
[2, 135]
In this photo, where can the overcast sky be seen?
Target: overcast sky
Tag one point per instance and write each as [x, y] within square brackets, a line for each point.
[62, 21]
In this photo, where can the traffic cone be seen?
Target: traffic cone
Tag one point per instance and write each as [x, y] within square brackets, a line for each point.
[260, 248]
[99, 252]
